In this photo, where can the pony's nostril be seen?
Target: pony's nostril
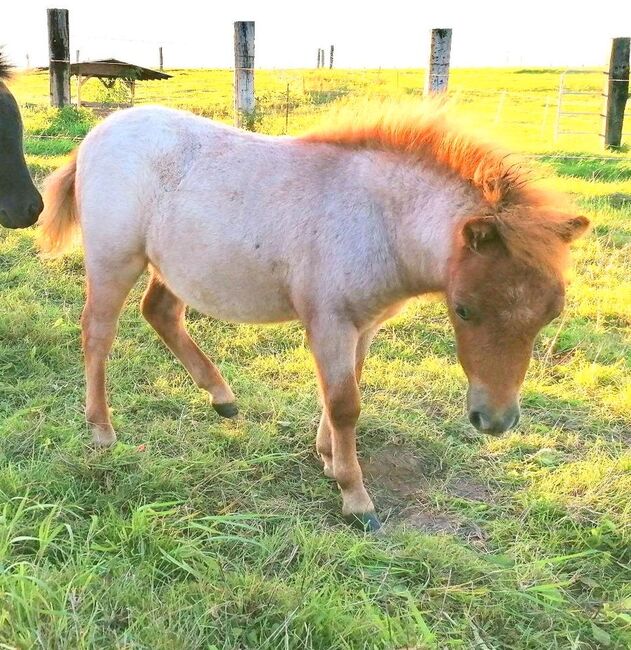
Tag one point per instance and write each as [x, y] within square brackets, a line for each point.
[475, 417]
[35, 208]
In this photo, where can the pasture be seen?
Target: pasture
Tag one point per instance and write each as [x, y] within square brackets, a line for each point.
[196, 532]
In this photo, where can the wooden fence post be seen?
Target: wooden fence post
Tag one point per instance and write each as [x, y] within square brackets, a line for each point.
[438, 70]
[244, 103]
[59, 55]
[161, 59]
[331, 57]
[617, 92]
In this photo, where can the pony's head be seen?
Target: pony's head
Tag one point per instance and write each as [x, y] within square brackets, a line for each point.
[20, 202]
[506, 281]
[506, 271]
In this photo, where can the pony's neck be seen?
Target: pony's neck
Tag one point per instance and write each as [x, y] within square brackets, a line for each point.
[422, 206]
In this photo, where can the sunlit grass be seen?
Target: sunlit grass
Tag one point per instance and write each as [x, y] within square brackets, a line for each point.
[518, 105]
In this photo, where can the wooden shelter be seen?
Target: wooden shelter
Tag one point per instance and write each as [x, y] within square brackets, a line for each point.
[107, 71]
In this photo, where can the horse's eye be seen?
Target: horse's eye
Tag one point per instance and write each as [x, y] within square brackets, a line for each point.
[462, 312]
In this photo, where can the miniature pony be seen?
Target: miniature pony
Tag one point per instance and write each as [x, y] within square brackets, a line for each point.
[338, 229]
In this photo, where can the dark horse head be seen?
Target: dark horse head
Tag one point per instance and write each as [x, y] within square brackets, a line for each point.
[20, 202]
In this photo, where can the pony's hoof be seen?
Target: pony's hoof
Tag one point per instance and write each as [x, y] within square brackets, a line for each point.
[226, 410]
[102, 438]
[366, 521]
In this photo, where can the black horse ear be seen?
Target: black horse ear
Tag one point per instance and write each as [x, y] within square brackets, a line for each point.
[480, 233]
[6, 69]
[573, 228]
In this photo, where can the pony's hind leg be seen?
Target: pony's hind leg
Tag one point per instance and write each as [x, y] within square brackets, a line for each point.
[107, 288]
[165, 312]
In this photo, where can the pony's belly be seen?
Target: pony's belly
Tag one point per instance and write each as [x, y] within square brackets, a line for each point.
[251, 295]
[224, 305]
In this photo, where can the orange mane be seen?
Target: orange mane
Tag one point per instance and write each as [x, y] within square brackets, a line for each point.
[531, 220]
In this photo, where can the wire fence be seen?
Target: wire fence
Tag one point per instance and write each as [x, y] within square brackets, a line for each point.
[524, 108]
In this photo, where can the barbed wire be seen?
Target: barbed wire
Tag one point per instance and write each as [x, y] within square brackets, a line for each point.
[549, 157]
[38, 136]
[315, 84]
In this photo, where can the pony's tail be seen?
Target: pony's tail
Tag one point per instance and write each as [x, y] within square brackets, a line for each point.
[58, 223]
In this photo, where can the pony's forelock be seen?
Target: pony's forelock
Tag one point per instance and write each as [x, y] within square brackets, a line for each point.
[529, 218]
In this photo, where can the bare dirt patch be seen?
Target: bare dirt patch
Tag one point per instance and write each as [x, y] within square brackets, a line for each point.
[397, 473]
[401, 481]
[435, 522]
[468, 488]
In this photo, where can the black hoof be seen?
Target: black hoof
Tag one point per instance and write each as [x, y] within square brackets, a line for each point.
[227, 410]
[366, 521]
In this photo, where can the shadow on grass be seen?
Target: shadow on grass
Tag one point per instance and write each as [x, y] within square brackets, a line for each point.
[548, 412]
[605, 169]
[613, 237]
[57, 146]
[539, 71]
[320, 97]
[69, 121]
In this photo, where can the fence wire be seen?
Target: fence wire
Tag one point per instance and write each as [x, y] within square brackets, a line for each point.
[288, 101]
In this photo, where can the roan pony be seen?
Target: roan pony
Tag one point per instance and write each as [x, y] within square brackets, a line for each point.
[20, 202]
[338, 228]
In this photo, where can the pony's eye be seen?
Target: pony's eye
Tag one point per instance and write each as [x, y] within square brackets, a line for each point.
[462, 312]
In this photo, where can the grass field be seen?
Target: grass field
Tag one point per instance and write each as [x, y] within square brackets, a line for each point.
[199, 533]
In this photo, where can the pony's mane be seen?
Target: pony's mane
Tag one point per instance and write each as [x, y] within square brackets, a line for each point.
[5, 67]
[530, 219]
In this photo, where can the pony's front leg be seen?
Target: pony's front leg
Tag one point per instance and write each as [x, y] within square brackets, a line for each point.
[334, 344]
[324, 445]
[323, 439]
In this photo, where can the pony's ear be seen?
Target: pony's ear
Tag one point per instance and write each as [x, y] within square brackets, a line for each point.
[479, 233]
[572, 228]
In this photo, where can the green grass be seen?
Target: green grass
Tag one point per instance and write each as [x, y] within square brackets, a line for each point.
[199, 533]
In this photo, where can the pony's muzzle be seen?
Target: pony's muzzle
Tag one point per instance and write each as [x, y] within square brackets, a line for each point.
[21, 214]
[488, 419]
